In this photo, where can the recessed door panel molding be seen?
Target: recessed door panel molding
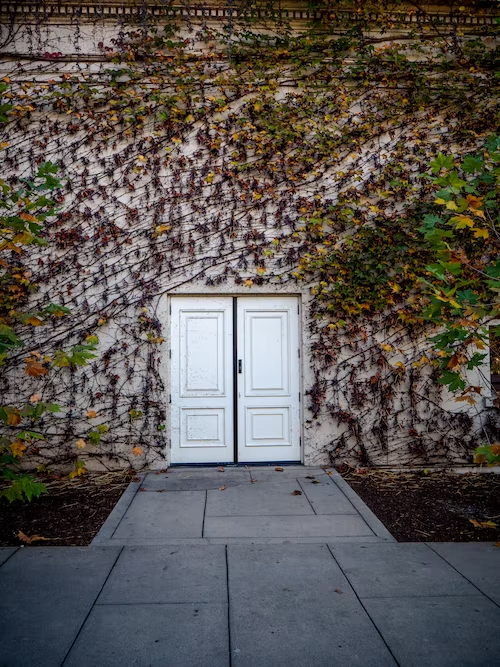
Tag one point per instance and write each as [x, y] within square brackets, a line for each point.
[267, 351]
[202, 425]
[268, 379]
[202, 353]
[265, 426]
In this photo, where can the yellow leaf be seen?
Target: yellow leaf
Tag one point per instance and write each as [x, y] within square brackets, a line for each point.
[483, 524]
[387, 348]
[481, 233]
[18, 448]
[450, 205]
[91, 414]
[137, 451]
[261, 270]
[189, 118]
[141, 158]
[34, 320]
[399, 364]
[440, 201]
[248, 283]
[4, 144]
[462, 221]
[81, 444]
[162, 228]
[257, 195]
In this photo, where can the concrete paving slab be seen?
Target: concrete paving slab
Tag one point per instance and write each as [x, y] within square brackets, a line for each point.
[163, 515]
[167, 574]
[259, 500]
[153, 635]
[6, 553]
[326, 497]
[265, 474]
[290, 605]
[479, 562]
[45, 596]
[196, 480]
[439, 632]
[326, 526]
[398, 570]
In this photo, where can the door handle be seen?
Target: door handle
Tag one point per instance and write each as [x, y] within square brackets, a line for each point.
[240, 365]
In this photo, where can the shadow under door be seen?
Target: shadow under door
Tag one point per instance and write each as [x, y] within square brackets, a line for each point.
[235, 379]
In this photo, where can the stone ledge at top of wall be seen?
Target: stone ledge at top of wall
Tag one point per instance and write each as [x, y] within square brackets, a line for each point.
[295, 11]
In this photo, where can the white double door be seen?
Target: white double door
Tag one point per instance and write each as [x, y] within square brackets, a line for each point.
[235, 379]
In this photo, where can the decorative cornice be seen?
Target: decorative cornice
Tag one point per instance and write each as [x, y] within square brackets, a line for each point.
[130, 11]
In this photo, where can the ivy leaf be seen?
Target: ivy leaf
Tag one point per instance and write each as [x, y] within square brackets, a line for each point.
[441, 162]
[472, 163]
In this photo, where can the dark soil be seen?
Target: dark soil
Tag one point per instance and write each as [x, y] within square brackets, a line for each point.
[70, 514]
[431, 506]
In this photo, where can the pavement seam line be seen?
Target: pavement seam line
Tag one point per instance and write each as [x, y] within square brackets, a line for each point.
[364, 608]
[228, 610]
[204, 514]
[428, 545]
[305, 494]
[16, 549]
[92, 605]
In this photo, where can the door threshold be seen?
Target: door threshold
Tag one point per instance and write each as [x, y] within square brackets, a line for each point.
[260, 464]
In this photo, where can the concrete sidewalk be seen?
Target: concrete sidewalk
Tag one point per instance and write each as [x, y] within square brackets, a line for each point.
[257, 505]
[365, 602]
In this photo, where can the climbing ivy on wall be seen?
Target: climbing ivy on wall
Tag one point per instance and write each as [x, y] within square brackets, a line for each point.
[252, 154]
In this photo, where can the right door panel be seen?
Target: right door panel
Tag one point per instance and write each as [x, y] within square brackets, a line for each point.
[268, 380]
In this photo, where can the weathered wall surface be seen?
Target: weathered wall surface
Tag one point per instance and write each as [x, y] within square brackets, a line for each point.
[149, 212]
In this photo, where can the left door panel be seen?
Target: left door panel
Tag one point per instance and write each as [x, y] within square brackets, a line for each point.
[202, 380]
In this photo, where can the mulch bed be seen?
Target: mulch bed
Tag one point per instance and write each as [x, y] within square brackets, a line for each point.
[70, 514]
[431, 506]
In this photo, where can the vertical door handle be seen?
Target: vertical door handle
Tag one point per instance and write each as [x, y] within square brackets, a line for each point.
[240, 365]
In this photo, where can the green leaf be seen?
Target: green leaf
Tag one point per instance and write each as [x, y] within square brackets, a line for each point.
[441, 162]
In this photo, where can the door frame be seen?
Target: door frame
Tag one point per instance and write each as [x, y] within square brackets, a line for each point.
[167, 362]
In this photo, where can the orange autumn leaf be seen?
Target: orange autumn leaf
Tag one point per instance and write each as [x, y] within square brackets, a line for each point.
[91, 414]
[137, 451]
[34, 320]
[13, 418]
[34, 538]
[80, 443]
[18, 448]
[35, 368]
[28, 217]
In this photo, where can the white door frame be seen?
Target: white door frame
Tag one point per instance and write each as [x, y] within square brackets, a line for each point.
[167, 363]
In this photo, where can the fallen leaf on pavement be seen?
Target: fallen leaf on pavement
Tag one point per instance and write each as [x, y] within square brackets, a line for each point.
[337, 590]
[296, 493]
[278, 469]
[222, 488]
[220, 468]
[315, 481]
